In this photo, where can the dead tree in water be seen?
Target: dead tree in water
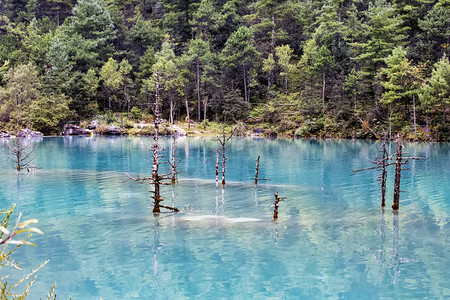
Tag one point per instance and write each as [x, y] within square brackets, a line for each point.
[257, 172]
[22, 153]
[173, 162]
[223, 142]
[157, 179]
[399, 161]
[217, 165]
[275, 209]
[382, 164]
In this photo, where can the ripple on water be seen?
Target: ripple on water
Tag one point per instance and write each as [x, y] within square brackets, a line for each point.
[331, 239]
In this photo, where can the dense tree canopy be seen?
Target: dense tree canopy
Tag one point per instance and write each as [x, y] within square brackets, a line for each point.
[333, 64]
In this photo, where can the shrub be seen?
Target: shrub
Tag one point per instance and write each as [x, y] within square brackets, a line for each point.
[240, 129]
[136, 113]
[286, 125]
[257, 111]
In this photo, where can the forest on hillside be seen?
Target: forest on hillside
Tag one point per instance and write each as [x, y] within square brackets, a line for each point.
[342, 68]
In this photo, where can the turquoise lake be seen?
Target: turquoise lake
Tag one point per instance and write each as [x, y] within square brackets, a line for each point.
[331, 241]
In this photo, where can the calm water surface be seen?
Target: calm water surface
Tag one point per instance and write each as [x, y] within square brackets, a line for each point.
[332, 240]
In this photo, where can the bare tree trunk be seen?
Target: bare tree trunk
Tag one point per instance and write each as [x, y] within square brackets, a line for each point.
[414, 115]
[383, 175]
[390, 123]
[245, 86]
[223, 141]
[257, 170]
[198, 92]
[323, 92]
[276, 204]
[205, 105]
[217, 165]
[380, 164]
[128, 98]
[224, 158]
[171, 110]
[273, 33]
[155, 166]
[174, 162]
[286, 85]
[186, 102]
[398, 175]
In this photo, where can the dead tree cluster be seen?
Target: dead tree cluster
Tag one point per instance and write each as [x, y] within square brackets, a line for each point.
[386, 160]
[23, 153]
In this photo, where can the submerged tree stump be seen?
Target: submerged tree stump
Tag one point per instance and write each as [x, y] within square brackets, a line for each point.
[257, 170]
[276, 205]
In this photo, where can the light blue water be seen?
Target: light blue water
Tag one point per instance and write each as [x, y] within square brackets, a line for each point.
[331, 241]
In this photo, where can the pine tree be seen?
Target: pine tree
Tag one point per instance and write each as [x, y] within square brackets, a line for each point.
[88, 34]
[383, 32]
[240, 54]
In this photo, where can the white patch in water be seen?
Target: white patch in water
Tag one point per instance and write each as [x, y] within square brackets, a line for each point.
[219, 218]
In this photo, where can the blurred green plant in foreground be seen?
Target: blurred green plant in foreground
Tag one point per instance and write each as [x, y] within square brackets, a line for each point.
[10, 241]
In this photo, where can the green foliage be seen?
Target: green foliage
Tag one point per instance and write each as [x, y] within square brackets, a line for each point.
[48, 113]
[268, 64]
[240, 50]
[323, 60]
[240, 129]
[136, 113]
[257, 111]
[205, 19]
[21, 90]
[435, 95]
[240, 54]
[284, 55]
[435, 30]
[3, 70]
[309, 127]
[89, 34]
[22, 103]
[111, 75]
[234, 106]
[143, 34]
[293, 57]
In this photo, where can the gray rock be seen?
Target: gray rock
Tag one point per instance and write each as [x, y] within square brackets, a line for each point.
[29, 133]
[114, 130]
[4, 134]
[92, 125]
[70, 129]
